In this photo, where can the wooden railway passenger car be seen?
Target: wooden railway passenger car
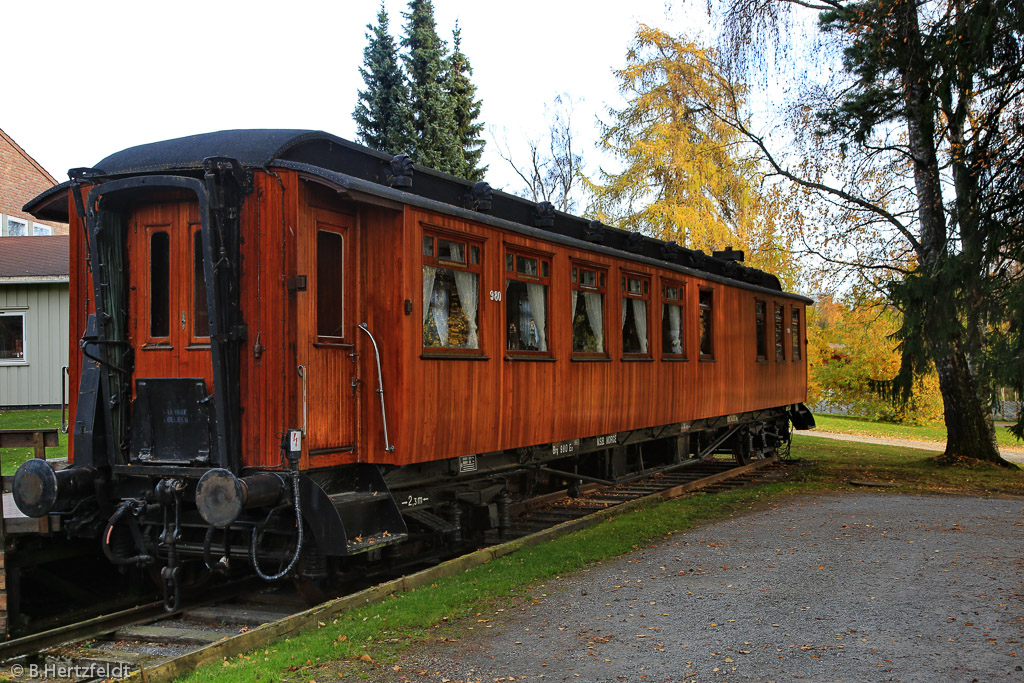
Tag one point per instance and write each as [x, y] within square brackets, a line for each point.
[272, 319]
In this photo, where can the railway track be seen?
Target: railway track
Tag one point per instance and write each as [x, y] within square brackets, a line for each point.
[144, 638]
[710, 476]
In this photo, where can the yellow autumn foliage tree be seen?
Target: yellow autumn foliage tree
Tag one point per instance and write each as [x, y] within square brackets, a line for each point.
[687, 175]
[849, 351]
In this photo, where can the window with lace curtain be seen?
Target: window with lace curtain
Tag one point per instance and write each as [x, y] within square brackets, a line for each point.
[761, 328]
[705, 320]
[780, 333]
[527, 277]
[451, 292]
[795, 321]
[672, 337]
[636, 293]
[588, 286]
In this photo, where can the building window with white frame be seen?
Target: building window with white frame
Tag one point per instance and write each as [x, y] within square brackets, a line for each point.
[12, 338]
[15, 227]
[39, 229]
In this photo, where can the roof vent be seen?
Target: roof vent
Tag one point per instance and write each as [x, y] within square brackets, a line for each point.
[594, 232]
[670, 250]
[398, 173]
[692, 259]
[729, 254]
[733, 269]
[544, 215]
[635, 242]
[479, 198]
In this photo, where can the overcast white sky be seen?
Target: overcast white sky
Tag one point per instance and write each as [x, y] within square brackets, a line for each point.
[83, 80]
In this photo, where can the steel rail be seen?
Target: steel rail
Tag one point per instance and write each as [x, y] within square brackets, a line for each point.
[106, 623]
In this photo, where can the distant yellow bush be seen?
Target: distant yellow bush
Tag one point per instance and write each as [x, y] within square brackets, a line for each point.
[849, 349]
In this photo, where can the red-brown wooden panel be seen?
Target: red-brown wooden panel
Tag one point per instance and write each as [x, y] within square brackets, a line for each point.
[441, 408]
[269, 382]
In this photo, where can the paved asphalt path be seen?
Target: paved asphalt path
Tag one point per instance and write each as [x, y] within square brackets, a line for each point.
[856, 587]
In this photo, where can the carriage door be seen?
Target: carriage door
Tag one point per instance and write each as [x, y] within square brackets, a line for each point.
[327, 356]
[170, 325]
[169, 329]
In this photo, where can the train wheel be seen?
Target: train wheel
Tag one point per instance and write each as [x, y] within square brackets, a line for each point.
[742, 447]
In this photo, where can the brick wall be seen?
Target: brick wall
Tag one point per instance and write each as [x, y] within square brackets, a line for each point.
[21, 179]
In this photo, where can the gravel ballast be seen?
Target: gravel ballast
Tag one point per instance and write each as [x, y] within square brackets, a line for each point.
[858, 587]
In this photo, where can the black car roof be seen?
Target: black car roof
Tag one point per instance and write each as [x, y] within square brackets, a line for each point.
[334, 159]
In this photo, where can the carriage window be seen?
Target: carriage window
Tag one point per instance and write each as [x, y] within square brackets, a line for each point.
[526, 296]
[761, 329]
[672, 321]
[635, 293]
[159, 284]
[453, 252]
[780, 334]
[330, 284]
[588, 289]
[451, 286]
[706, 300]
[795, 314]
[200, 312]
[12, 338]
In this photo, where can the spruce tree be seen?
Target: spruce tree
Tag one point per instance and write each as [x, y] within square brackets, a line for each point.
[382, 114]
[466, 111]
[917, 146]
[434, 142]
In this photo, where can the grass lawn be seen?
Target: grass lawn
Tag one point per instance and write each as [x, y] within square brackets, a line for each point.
[371, 639]
[854, 425]
[10, 458]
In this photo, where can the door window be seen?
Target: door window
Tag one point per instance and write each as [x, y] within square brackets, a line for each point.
[159, 285]
[330, 284]
[200, 311]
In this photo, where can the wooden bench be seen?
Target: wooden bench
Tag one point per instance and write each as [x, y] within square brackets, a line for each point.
[37, 439]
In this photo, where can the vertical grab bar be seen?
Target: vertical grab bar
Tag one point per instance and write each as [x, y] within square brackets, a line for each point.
[64, 424]
[302, 374]
[388, 446]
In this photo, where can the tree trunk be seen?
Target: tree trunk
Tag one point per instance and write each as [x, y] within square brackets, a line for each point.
[969, 429]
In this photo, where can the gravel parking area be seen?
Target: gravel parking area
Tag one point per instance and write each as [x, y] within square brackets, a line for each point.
[865, 587]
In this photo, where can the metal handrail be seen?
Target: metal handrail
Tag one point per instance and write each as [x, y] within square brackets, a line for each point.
[302, 374]
[388, 447]
[64, 424]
